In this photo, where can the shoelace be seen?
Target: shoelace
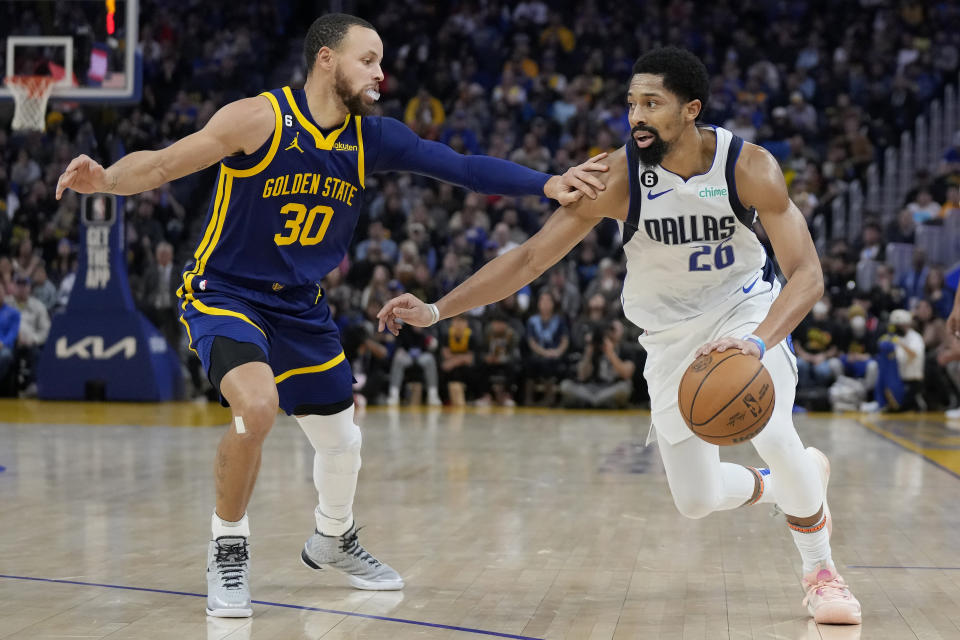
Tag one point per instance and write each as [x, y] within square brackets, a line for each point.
[350, 544]
[827, 588]
[231, 560]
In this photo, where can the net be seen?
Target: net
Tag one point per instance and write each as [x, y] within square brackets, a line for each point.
[30, 93]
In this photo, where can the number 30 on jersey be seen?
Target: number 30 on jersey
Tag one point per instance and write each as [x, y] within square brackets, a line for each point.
[304, 232]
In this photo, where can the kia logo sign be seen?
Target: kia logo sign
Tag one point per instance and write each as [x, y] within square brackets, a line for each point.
[92, 348]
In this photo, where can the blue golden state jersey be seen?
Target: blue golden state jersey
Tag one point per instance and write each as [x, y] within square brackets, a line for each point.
[283, 216]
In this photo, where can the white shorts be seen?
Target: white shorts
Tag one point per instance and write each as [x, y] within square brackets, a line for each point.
[670, 352]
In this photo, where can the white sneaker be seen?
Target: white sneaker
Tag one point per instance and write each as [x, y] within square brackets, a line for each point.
[433, 398]
[828, 599]
[952, 414]
[870, 407]
[393, 398]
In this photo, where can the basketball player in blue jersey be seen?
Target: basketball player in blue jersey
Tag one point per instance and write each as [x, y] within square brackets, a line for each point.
[293, 165]
[686, 198]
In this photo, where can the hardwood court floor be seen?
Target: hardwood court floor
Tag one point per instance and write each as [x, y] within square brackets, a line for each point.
[509, 524]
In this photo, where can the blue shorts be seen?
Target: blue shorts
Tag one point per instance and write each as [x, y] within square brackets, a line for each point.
[295, 330]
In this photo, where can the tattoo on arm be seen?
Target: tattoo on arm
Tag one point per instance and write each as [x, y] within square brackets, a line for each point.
[113, 183]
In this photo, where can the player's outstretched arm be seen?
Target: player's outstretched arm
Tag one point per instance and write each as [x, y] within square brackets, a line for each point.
[514, 269]
[239, 127]
[392, 146]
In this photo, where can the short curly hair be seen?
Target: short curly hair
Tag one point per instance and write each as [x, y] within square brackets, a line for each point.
[683, 73]
[328, 31]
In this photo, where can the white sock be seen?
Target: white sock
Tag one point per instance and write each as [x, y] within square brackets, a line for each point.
[220, 528]
[813, 544]
[767, 495]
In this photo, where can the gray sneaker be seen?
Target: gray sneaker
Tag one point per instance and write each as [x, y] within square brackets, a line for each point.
[346, 555]
[228, 578]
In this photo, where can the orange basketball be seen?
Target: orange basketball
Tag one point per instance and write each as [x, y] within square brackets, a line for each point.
[726, 398]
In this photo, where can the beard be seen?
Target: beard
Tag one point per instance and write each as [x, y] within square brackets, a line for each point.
[352, 101]
[653, 154]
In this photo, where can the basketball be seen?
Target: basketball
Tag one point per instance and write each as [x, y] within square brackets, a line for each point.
[726, 398]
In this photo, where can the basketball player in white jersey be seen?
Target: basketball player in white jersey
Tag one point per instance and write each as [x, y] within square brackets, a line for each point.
[686, 197]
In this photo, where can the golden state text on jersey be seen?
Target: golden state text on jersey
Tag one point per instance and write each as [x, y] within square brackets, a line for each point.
[283, 216]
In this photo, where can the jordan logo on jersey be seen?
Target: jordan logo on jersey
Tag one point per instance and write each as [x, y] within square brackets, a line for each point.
[687, 229]
[295, 144]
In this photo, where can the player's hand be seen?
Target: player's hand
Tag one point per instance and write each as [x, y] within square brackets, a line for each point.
[577, 182]
[747, 347]
[406, 308]
[953, 322]
[83, 175]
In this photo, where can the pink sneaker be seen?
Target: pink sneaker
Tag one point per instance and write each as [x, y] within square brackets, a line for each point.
[828, 599]
[823, 465]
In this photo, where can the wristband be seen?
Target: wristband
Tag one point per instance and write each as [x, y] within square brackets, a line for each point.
[434, 314]
[757, 340]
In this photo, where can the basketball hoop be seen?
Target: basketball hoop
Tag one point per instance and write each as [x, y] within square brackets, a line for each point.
[30, 93]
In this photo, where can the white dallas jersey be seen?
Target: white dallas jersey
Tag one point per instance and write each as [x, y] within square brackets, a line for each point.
[689, 244]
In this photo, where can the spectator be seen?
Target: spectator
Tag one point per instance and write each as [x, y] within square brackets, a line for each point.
[607, 282]
[532, 154]
[500, 355]
[857, 345]
[872, 247]
[425, 115]
[951, 157]
[368, 353]
[43, 289]
[593, 318]
[458, 359]
[26, 259]
[816, 343]
[548, 340]
[914, 281]
[923, 208]
[415, 346]
[884, 296]
[34, 329]
[377, 235]
[564, 291]
[903, 229]
[937, 390]
[604, 379]
[900, 361]
[936, 293]
[158, 294]
[951, 203]
[9, 329]
[379, 288]
[6, 273]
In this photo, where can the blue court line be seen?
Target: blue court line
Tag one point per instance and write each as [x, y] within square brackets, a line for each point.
[286, 606]
[882, 566]
[880, 432]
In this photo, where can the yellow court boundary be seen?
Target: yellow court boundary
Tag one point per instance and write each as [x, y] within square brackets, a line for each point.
[946, 459]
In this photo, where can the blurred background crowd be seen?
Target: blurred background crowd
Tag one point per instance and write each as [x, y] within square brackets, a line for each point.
[541, 84]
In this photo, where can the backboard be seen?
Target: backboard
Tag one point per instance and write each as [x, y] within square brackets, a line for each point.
[91, 46]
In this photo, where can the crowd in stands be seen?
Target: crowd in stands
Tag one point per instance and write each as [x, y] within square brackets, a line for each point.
[541, 84]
